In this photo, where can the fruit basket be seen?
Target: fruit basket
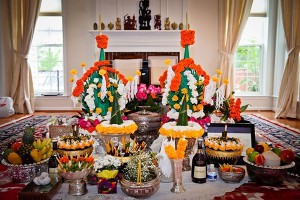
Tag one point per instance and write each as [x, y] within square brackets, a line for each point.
[234, 176]
[267, 175]
[26, 172]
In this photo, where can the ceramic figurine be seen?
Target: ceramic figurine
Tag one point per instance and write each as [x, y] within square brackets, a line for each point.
[129, 24]
[110, 26]
[181, 26]
[174, 26]
[145, 15]
[118, 23]
[157, 22]
[102, 26]
[167, 23]
[95, 26]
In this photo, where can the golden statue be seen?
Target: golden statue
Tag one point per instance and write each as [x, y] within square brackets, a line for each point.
[118, 23]
[167, 23]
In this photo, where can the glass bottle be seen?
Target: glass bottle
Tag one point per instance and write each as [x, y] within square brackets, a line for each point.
[199, 162]
[53, 163]
[211, 173]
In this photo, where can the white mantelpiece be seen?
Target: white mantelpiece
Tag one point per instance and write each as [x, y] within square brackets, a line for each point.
[141, 40]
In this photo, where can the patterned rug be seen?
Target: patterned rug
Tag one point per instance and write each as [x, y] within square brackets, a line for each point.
[276, 133]
[14, 131]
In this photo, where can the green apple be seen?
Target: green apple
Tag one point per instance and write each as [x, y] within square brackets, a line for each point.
[251, 156]
[277, 151]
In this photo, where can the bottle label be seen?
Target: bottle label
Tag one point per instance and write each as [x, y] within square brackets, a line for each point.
[200, 172]
[212, 176]
[53, 170]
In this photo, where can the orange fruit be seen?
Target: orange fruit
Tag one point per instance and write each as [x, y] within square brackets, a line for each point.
[249, 150]
[265, 145]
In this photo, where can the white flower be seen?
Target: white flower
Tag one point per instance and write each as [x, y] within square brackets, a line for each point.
[96, 80]
[121, 89]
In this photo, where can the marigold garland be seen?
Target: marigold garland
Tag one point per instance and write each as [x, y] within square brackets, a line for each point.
[193, 130]
[128, 127]
[179, 152]
[102, 41]
[187, 37]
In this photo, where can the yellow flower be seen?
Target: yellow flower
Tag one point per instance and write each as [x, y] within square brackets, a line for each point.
[108, 93]
[71, 79]
[167, 62]
[226, 81]
[138, 72]
[99, 85]
[111, 98]
[176, 106]
[215, 79]
[175, 98]
[218, 72]
[195, 108]
[130, 78]
[82, 64]
[184, 91]
[99, 94]
[200, 107]
[98, 110]
[102, 72]
[109, 109]
[73, 72]
[200, 82]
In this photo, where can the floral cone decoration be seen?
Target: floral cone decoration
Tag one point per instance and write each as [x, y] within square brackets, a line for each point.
[184, 85]
[103, 92]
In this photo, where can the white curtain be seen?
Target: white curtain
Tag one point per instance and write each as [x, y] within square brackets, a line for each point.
[287, 98]
[233, 15]
[21, 19]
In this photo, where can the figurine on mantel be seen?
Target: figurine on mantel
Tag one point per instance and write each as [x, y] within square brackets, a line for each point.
[167, 23]
[118, 23]
[157, 22]
[174, 25]
[129, 24]
[145, 15]
[110, 26]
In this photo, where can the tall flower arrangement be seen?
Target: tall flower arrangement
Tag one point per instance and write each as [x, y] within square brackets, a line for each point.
[103, 93]
[184, 85]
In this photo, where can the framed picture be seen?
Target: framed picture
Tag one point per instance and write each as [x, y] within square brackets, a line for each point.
[244, 131]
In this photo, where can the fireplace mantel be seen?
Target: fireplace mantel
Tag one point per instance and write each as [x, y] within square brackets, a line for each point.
[141, 40]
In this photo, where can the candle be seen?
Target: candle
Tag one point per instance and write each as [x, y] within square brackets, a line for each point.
[167, 8]
[187, 24]
[100, 22]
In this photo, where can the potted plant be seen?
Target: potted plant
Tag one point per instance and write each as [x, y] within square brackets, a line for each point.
[140, 176]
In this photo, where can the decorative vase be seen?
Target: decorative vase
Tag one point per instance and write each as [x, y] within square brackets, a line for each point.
[148, 125]
[186, 160]
[77, 185]
[177, 176]
[137, 190]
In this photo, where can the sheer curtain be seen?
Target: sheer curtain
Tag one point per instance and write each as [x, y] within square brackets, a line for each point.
[233, 15]
[21, 20]
[287, 98]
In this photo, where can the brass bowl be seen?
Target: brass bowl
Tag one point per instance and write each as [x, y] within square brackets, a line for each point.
[221, 157]
[232, 177]
[73, 153]
[267, 175]
[145, 190]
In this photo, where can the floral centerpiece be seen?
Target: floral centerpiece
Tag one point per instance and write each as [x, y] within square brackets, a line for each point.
[184, 85]
[107, 169]
[146, 96]
[177, 157]
[140, 175]
[76, 169]
[103, 93]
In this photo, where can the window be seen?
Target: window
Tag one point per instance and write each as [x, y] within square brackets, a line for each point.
[248, 61]
[46, 52]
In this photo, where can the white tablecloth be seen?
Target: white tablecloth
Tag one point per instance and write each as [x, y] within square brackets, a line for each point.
[204, 191]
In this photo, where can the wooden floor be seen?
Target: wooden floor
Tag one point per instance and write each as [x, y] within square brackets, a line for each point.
[295, 123]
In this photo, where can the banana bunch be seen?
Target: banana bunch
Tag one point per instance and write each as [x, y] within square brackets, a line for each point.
[44, 146]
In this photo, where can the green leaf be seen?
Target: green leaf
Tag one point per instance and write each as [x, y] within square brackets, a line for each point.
[183, 118]
[243, 108]
[116, 112]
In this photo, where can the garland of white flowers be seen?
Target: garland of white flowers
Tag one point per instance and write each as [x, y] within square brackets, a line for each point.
[209, 92]
[170, 76]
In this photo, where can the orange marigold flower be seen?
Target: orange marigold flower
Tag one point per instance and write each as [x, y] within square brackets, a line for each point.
[82, 64]
[71, 79]
[90, 160]
[102, 41]
[64, 159]
[187, 37]
[73, 72]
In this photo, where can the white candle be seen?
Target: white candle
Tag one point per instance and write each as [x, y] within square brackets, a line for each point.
[100, 22]
[167, 9]
[187, 24]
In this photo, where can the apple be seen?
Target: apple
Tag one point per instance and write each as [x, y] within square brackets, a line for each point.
[252, 155]
[287, 156]
[259, 148]
[277, 151]
[249, 150]
[259, 159]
